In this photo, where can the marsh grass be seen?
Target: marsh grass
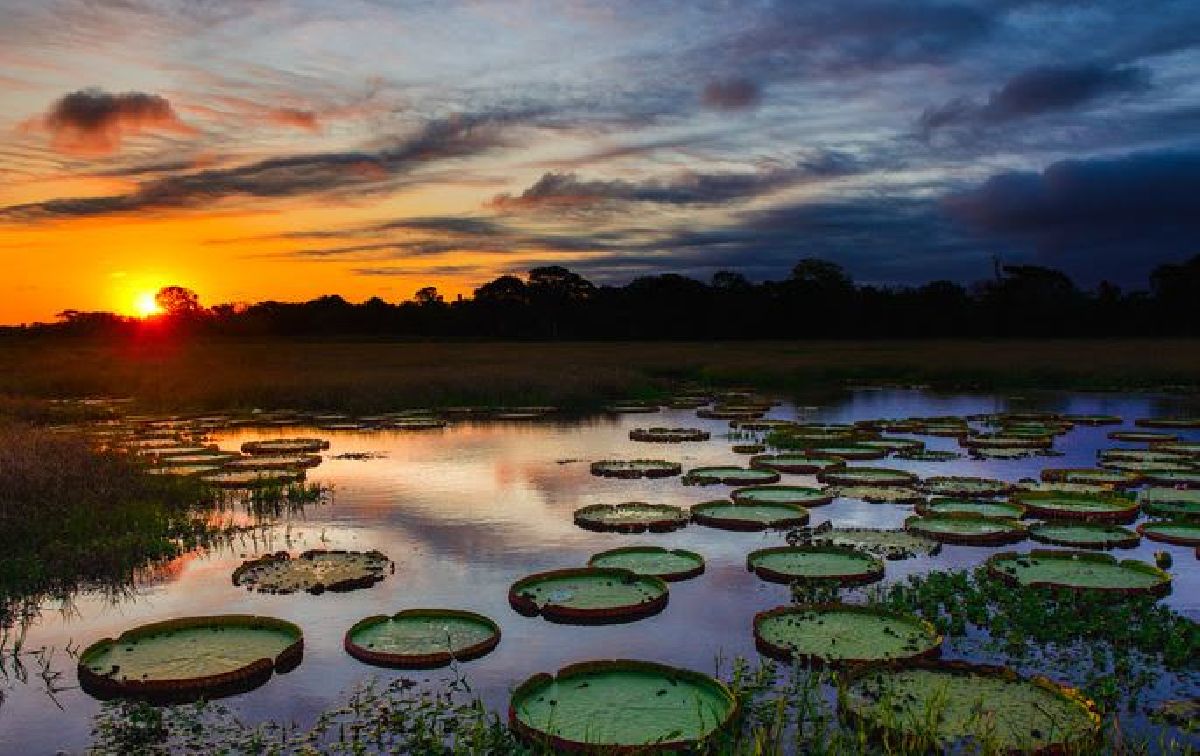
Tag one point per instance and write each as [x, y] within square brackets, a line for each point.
[378, 376]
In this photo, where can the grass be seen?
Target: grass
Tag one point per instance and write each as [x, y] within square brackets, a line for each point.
[374, 376]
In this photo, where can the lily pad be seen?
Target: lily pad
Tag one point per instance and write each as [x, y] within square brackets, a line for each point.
[191, 657]
[889, 544]
[802, 463]
[844, 634]
[1084, 535]
[1143, 437]
[668, 435]
[1178, 532]
[285, 446]
[989, 705]
[961, 485]
[631, 517]
[837, 564]
[967, 529]
[1065, 505]
[867, 476]
[589, 595]
[1188, 479]
[315, 571]
[252, 478]
[1078, 571]
[1172, 503]
[421, 638]
[1100, 477]
[802, 495]
[878, 494]
[731, 476]
[666, 564]
[732, 515]
[611, 706]
[635, 468]
[974, 507]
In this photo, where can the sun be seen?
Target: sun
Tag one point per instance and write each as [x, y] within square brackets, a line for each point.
[144, 305]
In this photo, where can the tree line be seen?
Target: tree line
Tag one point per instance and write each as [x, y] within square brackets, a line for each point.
[817, 300]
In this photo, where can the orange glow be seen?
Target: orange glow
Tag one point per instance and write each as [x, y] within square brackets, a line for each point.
[145, 306]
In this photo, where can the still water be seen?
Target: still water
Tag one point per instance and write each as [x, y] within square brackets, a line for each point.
[465, 511]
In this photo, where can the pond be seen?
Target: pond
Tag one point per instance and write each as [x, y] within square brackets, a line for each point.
[466, 510]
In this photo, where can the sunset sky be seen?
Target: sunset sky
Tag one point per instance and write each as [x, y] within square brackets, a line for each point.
[263, 149]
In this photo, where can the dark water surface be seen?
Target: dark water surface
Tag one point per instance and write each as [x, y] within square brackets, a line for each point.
[465, 511]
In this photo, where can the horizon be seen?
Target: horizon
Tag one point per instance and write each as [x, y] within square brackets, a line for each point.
[286, 150]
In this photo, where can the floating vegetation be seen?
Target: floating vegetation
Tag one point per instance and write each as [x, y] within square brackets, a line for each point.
[961, 486]
[844, 634]
[1094, 476]
[668, 435]
[421, 638]
[844, 450]
[732, 412]
[803, 495]
[836, 564]
[631, 517]
[1178, 532]
[666, 564]
[631, 408]
[928, 455]
[892, 445]
[285, 446]
[608, 706]
[943, 706]
[878, 494]
[635, 468]
[888, 544]
[184, 659]
[1187, 448]
[1027, 484]
[1143, 437]
[1067, 505]
[1190, 479]
[1094, 419]
[1003, 452]
[967, 529]
[415, 424]
[953, 506]
[1167, 422]
[731, 476]
[1083, 535]
[274, 462]
[1006, 441]
[252, 478]
[802, 463]
[731, 515]
[748, 448]
[1171, 503]
[1078, 571]
[315, 571]
[867, 476]
[589, 595]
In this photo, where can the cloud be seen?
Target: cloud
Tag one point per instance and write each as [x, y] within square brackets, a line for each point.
[1039, 90]
[731, 94]
[555, 189]
[306, 120]
[1112, 215]
[94, 122]
[289, 176]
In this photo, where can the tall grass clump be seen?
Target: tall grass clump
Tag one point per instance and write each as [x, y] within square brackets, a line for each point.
[73, 518]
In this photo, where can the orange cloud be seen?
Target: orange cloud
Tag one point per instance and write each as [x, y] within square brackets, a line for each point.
[94, 122]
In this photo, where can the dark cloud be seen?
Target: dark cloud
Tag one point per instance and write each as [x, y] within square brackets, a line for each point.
[731, 94]
[289, 176]
[1040, 90]
[568, 189]
[1113, 216]
[92, 121]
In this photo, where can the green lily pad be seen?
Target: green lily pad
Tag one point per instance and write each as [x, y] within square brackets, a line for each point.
[589, 595]
[1065, 505]
[975, 507]
[731, 515]
[802, 495]
[315, 571]
[668, 435]
[889, 544]
[666, 564]
[967, 529]
[605, 706]
[422, 638]
[635, 468]
[731, 476]
[1172, 503]
[786, 564]
[843, 634]
[961, 486]
[1084, 535]
[1078, 570]
[867, 476]
[631, 517]
[1178, 532]
[802, 463]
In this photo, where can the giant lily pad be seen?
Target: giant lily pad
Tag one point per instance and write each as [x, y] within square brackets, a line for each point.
[285, 446]
[668, 435]
[1180, 479]
[837, 564]
[252, 478]
[315, 571]
[731, 476]
[187, 658]
[802, 495]
[1065, 505]
[974, 507]
[1006, 441]
[421, 638]
[1173, 503]
[878, 494]
[967, 529]
[1168, 422]
[666, 564]
[989, 705]
[843, 634]
[620, 706]
[1084, 535]
[635, 468]
[889, 544]
[631, 517]
[274, 462]
[1178, 532]
[732, 515]
[804, 463]
[867, 476]
[1078, 571]
[1100, 477]
[961, 486]
[589, 595]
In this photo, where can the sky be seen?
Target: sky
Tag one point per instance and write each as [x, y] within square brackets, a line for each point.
[263, 149]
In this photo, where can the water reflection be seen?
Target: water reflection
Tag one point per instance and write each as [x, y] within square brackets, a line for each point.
[466, 510]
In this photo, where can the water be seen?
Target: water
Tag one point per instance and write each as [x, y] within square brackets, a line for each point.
[466, 511]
